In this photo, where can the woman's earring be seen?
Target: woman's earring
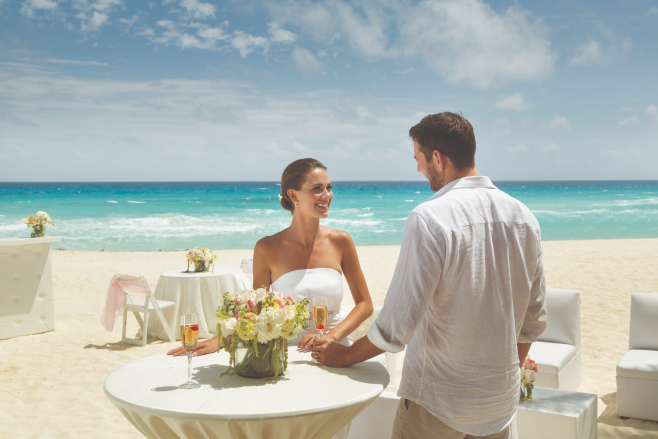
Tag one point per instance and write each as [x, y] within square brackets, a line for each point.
[296, 204]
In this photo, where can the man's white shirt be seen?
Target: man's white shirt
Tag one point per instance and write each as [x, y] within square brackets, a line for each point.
[468, 285]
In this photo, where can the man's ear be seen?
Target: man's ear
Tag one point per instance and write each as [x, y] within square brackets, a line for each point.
[439, 161]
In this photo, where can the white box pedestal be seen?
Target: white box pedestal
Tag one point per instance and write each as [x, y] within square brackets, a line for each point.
[557, 414]
[26, 286]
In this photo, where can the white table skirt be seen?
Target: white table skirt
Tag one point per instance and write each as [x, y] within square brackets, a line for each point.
[26, 286]
[195, 292]
[310, 401]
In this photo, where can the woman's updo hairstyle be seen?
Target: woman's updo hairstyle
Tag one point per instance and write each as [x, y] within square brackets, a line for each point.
[293, 178]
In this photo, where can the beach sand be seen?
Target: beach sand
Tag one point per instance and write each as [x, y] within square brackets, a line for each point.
[52, 384]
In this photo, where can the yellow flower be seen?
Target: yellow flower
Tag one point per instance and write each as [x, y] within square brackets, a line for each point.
[245, 329]
[287, 327]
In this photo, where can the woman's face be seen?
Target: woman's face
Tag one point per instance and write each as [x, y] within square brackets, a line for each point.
[315, 196]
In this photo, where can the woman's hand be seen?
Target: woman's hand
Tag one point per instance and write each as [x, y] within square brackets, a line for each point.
[202, 348]
[306, 342]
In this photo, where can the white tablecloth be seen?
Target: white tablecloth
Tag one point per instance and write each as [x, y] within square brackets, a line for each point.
[310, 401]
[195, 292]
[26, 286]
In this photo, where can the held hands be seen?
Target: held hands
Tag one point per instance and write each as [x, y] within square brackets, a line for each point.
[330, 352]
[306, 342]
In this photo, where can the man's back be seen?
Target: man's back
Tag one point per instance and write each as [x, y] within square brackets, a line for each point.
[470, 264]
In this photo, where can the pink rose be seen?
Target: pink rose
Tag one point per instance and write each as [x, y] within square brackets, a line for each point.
[252, 306]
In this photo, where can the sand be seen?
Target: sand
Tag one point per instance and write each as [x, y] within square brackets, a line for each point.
[52, 384]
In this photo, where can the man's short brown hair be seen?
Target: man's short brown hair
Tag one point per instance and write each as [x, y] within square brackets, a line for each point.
[450, 134]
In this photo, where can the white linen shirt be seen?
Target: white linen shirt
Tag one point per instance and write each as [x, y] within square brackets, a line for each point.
[468, 285]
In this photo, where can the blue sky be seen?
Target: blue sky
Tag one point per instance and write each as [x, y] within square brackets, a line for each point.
[115, 90]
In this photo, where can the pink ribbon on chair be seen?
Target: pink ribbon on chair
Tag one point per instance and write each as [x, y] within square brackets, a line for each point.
[116, 298]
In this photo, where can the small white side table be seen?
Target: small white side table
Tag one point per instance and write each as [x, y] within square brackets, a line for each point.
[557, 414]
[26, 286]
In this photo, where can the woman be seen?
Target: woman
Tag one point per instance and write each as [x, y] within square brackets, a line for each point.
[308, 259]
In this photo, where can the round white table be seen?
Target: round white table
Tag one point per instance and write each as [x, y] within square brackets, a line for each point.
[195, 292]
[309, 401]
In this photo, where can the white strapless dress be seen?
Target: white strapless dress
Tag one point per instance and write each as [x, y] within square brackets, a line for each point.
[310, 283]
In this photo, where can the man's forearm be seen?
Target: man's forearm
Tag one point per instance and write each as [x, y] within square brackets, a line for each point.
[523, 349]
[362, 350]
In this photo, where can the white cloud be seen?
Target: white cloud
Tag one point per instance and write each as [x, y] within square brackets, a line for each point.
[652, 112]
[94, 15]
[629, 121]
[593, 52]
[129, 22]
[122, 124]
[305, 60]
[30, 7]
[66, 61]
[246, 43]
[551, 147]
[517, 148]
[409, 70]
[197, 9]
[462, 40]
[279, 35]
[560, 123]
[514, 102]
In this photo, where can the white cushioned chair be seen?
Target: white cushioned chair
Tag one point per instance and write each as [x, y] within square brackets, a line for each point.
[637, 371]
[557, 350]
[376, 421]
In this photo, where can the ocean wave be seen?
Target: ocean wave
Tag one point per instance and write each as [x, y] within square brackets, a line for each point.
[112, 201]
[409, 201]
[365, 214]
[12, 227]
[137, 202]
[640, 202]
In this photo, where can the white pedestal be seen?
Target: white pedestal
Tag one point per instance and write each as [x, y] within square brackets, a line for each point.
[557, 414]
[26, 286]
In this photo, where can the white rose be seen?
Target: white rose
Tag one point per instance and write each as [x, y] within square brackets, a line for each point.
[529, 375]
[278, 295]
[228, 327]
[243, 296]
[261, 293]
[207, 257]
[285, 314]
[41, 213]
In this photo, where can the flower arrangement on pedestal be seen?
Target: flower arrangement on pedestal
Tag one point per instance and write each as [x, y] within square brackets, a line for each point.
[262, 322]
[202, 259]
[38, 223]
[528, 378]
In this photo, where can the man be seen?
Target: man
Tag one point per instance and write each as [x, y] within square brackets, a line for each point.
[467, 296]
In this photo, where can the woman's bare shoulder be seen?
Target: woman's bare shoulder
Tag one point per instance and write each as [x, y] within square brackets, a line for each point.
[339, 237]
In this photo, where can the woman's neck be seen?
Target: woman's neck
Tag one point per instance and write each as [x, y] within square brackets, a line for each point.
[304, 230]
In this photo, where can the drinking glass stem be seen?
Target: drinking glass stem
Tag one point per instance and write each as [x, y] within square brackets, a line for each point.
[320, 333]
[189, 367]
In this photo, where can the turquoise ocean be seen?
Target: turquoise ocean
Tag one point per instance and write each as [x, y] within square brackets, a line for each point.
[225, 215]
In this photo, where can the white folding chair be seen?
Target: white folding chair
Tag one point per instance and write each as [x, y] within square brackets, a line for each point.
[139, 285]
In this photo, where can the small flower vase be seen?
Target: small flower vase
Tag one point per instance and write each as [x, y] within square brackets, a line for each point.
[38, 232]
[526, 392]
[265, 360]
[200, 266]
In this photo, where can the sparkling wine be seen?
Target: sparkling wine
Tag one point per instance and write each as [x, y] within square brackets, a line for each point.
[320, 316]
[189, 335]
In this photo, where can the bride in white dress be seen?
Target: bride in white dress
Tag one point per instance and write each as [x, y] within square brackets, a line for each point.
[308, 259]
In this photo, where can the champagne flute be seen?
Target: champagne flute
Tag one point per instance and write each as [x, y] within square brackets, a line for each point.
[189, 335]
[320, 313]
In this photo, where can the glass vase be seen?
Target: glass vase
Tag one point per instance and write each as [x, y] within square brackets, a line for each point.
[38, 232]
[526, 392]
[200, 266]
[265, 360]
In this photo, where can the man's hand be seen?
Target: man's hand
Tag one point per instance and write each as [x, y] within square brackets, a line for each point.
[202, 348]
[306, 342]
[330, 353]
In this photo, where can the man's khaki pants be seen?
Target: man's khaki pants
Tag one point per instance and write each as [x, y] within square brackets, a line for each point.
[413, 421]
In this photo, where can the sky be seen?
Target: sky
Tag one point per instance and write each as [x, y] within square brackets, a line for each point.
[191, 90]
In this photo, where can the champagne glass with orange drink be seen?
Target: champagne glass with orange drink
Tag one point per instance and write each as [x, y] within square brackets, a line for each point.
[320, 313]
[189, 335]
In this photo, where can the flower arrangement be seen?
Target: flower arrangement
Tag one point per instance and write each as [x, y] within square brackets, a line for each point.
[262, 322]
[38, 223]
[202, 259]
[528, 378]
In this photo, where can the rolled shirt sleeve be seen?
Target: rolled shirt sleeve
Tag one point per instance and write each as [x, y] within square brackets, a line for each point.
[412, 288]
[534, 322]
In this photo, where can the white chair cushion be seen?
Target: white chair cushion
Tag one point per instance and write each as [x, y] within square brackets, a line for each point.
[638, 363]
[551, 357]
[644, 321]
[562, 317]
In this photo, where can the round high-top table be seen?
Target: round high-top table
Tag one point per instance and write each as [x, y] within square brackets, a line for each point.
[309, 401]
[200, 293]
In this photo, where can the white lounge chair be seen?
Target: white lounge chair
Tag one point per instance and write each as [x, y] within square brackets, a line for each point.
[557, 350]
[637, 371]
[376, 421]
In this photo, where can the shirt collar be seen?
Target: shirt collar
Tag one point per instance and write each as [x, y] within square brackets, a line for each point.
[476, 182]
